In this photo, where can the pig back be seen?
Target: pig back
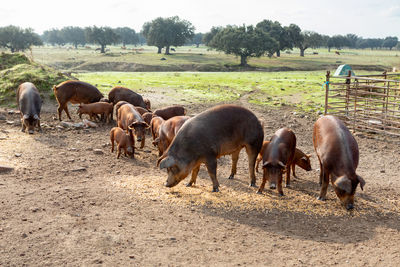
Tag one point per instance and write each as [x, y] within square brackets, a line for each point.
[219, 131]
[282, 147]
[28, 99]
[119, 93]
[77, 92]
[128, 114]
[334, 144]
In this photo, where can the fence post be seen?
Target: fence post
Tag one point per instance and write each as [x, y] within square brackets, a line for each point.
[355, 106]
[348, 84]
[328, 73]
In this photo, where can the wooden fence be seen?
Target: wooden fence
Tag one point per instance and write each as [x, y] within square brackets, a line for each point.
[367, 103]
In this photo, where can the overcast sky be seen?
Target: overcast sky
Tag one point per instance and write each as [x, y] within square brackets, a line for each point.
[366, 18]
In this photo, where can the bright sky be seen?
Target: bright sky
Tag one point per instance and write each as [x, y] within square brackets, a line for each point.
[366, 18]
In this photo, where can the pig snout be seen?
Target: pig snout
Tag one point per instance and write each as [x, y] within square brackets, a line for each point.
[272, 185]
[30, 131]
[139, 138]
[349, 206]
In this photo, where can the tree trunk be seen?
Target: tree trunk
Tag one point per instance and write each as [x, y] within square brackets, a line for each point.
[302, 52]
[329, 49]
[167, 50]
[12, 49]
[159, 50]
[76, 45]
[103, 49]
[278, 53]
[243, 60]
[197, 45]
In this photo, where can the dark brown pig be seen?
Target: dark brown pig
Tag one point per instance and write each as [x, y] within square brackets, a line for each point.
[123, 140]
[129, 118]
[167, 132]
[218, 131]
[155, 124]
[141, 110]
[29, 104]
[300, 159]
[169, 112]
[76, 92]
[277, 158]
[147, 117]
[103, 108]
[338, 156]
[119, 93]
[147, 102]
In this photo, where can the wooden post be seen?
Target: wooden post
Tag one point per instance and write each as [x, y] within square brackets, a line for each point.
[348, 84]
[328, 73]
[355, 107]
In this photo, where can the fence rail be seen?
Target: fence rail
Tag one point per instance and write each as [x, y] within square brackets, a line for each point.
[366, 103]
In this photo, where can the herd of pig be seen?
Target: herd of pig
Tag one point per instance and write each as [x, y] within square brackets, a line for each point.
[184, 143]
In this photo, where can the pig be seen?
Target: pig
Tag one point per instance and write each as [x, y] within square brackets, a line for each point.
[338, 156]
[147, 103]
[141, 110]
[103, 108]
[167, 132]
[300, 159]
[123, 140]
[277, 158]
[120, 93]
[76, 92]
[129, 118]
[218, 131]
[147, 117]
[169, 112]
[155, 124]
[118, 105]
[29, 104]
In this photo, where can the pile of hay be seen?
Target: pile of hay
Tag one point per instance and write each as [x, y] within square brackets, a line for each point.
[17, 68]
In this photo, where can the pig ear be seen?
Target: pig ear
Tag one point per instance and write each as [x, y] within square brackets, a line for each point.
[344, 184]
[280, 163]
[167, 162]
[265, 164]
[26, 116]
[308, 155]
[362, 182]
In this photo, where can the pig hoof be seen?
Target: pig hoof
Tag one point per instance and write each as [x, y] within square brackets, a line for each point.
[349, 206]
[189, 184]
[231, 176]
[321, 198]
[252, 184]
[281, 194]
[259, 192]
[215, 189]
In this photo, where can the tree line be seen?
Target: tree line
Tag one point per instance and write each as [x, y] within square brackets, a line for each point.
[265, 38]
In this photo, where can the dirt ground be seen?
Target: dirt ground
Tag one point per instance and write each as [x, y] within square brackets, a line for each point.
[67, 203]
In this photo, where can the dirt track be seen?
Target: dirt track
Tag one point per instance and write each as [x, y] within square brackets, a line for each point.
[65, 205]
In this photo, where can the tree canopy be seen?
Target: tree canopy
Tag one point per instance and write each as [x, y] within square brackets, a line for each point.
[101, 35]
[18, 39]
[244, 41]
[127, 35]
[276, 31]
[167, 32]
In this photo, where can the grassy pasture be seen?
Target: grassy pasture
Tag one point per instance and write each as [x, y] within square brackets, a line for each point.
[189, 58]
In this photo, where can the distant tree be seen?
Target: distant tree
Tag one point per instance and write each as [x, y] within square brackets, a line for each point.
[303, 40]
[74, 35]
[372, 43]
[53, 37]
[339, 41]
[352, 40]
[197, 39]
[167, 32]
[18, 39]
[207, 37]
[101, 35]
[244, 41]
[276, 31]
[141, 38]
[127, 36]
[390, 42]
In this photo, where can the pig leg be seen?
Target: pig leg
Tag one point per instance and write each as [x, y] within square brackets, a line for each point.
[259, 158]
[324, 187]
[23, 126]
[38, 125]
[321, 173]
[252, 155]
[66, 111]
[280, 191]
[142, 142]
[118, 151]
[211, 165]
[59, 109]
[235, 158]
[195, 171]
[288, 175]
[264, 180]
[294, 172]
[112, 143]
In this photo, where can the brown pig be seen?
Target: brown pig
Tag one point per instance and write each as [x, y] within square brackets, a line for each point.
[123, 140]
[277, 158]
[75, 92]
[155, 124]
[103, 108]
[338, 156]
[147, 103]
[141, 110]
[218, 131]
[169, 112]
[119, 93]
[129, 118]
[300, 159]
[167, 132]
[147, 116]
[118, 105]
